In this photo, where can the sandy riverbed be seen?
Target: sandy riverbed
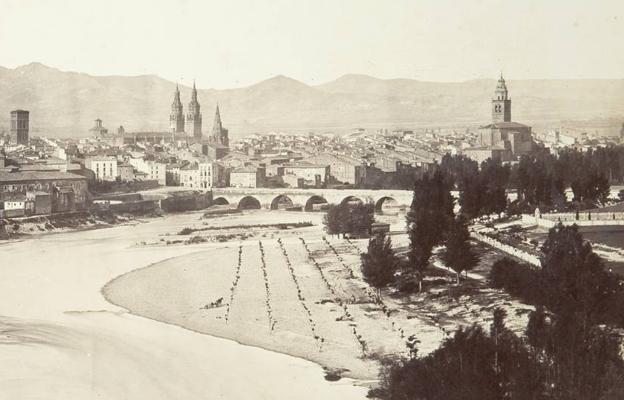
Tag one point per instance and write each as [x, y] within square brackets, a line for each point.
[322, 313]
[60, 338]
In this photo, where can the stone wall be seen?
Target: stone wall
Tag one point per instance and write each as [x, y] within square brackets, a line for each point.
[583, 219]
[522, 255]
[186, 201]
[135, 207]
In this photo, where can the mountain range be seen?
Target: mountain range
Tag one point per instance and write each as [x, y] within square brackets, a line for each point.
[65, 103]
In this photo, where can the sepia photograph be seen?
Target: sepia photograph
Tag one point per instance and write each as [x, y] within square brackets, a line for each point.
[311, 199]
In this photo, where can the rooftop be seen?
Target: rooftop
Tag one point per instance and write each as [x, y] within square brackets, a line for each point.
[504, 125]
[100, 158]
[304, 164]
[244, 170]
[24, 176]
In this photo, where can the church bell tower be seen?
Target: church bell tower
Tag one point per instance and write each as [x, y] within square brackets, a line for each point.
[194, 117]
[176, 118]
[501, 103]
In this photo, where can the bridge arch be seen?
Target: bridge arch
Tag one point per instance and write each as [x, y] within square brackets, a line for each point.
[314, 200]
[281, 202]
[249, 203]
[386, 202]
[220, 201]
[351, 200]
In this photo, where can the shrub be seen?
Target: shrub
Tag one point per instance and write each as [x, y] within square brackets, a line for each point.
[379, 263]
[353, 219]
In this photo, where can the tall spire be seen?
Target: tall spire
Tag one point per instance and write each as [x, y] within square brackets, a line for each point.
[194, 93]
[176, 118]
[176, 97]
[194, 117]
[217, 119]
[219, 134]
[216, 126]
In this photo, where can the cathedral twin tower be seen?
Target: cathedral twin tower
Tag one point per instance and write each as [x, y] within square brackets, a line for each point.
[193, 117]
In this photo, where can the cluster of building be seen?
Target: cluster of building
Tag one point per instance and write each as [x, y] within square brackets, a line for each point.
[38, 188]
[502, 139]
[41, 175]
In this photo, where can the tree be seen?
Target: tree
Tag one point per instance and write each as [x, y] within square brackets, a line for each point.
[469, 365]
[471, 190]
[494, 177]
[427, 220]
[459, 254]
[537, 330]
[333, 220]
[358, 218]
[379, 263]
[497, 330]
[463, 173]
[355, 219]
[573, 275]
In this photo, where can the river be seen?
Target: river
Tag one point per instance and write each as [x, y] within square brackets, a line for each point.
[60, 339]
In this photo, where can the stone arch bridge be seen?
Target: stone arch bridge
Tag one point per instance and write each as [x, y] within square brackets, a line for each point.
[308, 199]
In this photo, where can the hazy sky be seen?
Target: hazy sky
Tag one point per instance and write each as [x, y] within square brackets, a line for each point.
[229, 43]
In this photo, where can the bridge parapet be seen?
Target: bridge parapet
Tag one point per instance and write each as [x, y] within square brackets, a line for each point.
[584, 216]
[269, 197]
[588, 219]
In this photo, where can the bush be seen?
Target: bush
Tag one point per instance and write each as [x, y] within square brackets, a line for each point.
[353, 219]
[473, 364]
[518, 279]
[469, 365]
[379, 263]
[572, 280]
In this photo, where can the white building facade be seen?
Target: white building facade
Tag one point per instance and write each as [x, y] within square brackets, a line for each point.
[105, 168]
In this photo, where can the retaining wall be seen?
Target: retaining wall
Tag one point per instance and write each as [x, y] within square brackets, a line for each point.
[523, 255]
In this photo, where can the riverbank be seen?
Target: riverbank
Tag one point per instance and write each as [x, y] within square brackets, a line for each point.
[298, 293]
[63, 340]
[27, 227]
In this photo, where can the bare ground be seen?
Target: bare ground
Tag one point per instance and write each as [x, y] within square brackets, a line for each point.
[307, 299]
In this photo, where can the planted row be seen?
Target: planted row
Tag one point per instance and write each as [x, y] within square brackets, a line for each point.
[374, 298]
[346, 314]
[234, 283]
[354, 246]
[272, 321]
[302, 301]
[342, 261]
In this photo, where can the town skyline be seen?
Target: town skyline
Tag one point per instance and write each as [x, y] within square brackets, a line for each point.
[285, 104]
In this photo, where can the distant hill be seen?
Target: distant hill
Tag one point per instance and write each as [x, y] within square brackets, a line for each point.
[66, 103]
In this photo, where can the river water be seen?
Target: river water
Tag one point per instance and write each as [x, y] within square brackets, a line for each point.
[60, 339]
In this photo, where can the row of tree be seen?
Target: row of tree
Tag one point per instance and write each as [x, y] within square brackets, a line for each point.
[481, 190]
[572, 279]
[557, 360]
[566, 353]
[431, 222]
[540, 179]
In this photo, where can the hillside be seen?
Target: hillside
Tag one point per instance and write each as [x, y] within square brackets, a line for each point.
[66, 103]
